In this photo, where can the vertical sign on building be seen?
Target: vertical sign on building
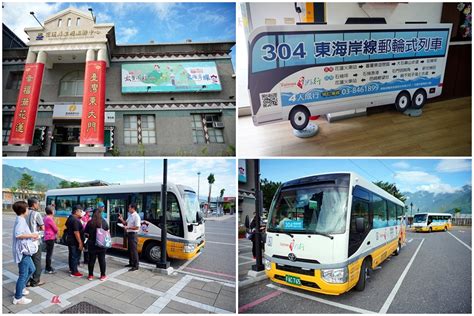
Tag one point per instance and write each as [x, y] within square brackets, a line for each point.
[93, 106]
[23, 126]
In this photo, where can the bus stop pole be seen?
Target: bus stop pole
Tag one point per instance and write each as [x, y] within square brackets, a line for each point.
[258, 266]
[164, 263]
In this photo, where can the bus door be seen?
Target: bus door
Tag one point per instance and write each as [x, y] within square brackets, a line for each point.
[118, 204]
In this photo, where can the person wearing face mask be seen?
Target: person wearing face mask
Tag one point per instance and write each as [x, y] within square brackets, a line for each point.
[132, 227]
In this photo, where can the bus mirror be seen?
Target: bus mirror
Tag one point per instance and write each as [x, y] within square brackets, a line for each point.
[198, 217]
[360, 224]
[247, 222]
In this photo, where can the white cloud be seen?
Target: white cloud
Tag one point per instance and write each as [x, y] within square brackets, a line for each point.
[453, 165]
[17, 15]
[65, 177]
[401, 165]
[126, 33]
[413, 181]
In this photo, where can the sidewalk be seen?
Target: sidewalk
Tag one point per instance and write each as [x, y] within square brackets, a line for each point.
[135, 292]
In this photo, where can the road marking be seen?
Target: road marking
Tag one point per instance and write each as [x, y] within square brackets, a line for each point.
[410, 240]
[246, 262]
[208, 277]
[184, 265]
[220, 243]
[164, 300]
[390, 298]
[462, 242]
[231, 234]
[321, 300]
[210, 272]
[248, 306]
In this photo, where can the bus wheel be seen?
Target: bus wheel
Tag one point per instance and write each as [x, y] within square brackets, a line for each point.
[364, 272]
[299, 117]
[397, 251]
[419, 99]
[402, 102]
[153, 252]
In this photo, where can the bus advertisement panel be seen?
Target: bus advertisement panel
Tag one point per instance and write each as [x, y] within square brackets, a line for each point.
[303, 70]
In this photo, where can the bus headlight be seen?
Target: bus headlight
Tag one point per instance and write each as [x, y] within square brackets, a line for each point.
[189, 248]
[267, 263]
[335, 275]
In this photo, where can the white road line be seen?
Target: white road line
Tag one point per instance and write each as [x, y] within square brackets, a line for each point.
[184, 265]
[320, 300]
[462, 242]
[164, 300]
[246, 257]
[220, 243]
[207, 277]
[395, 289]
[246, 262]
[410, 240]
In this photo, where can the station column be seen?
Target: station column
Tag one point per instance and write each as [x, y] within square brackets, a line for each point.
[23, 126]
[93, 105]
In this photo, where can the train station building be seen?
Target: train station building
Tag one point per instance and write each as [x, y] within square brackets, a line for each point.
[72, 91]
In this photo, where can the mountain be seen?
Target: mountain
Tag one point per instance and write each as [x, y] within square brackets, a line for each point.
[440, 202]
[11, 175]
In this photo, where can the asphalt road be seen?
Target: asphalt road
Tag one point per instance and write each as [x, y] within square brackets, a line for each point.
[432, 274]
[216, 260]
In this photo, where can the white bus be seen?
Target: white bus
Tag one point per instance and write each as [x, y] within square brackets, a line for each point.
[185, 224]
[325, 232]
[428, 222]
[299, 71]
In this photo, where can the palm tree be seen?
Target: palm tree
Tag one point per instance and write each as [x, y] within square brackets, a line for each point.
[210, 179]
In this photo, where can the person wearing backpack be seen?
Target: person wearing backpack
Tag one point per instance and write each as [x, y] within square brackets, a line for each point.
[96, 248]
[36, 224]
[23, 247]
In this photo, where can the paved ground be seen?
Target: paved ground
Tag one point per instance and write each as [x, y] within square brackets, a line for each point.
[432, 274]
[203, 285]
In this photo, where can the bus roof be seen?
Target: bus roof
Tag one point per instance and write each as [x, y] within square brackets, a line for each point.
[435, 214]
[126, 188]
[356, 179]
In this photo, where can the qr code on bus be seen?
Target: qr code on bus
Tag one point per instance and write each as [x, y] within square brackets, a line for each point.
[269, 99]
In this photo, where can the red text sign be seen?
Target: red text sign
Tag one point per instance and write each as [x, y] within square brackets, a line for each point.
[23, 127]
[93, 105]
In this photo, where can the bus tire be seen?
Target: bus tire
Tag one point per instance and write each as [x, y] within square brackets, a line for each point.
[403, 101]
[364, 272]
[419, 99]
[397, 251]
[299, 117]
[153, 252]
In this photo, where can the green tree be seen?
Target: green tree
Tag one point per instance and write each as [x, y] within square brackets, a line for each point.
[269, 189]
[75, 184]
[392, 189]
[456, 211]
[40, 187]
[64, 184]
[210, 179]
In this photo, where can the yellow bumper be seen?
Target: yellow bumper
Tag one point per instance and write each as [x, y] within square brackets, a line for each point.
[175, 250]
[315, 283]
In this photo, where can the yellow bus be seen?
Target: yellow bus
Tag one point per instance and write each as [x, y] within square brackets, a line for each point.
[326, 231]
[428, 222]
[185, 224]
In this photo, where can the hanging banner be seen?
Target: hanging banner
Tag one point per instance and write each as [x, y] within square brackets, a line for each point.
[93, 104]
[23, 126]
[166, 76]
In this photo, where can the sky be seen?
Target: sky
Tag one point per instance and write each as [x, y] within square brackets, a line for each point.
[130, 171]
[162, 22]
[409, 175]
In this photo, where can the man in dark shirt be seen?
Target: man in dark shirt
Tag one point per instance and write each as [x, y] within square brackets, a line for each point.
[75, 239]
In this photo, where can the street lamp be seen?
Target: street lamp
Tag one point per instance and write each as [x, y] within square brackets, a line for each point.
[411, 210]
[164, 263]
[199, 174]
[258, 266]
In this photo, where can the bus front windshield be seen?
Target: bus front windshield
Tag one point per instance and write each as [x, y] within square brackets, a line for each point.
[420, 218]
[191, 206]
[309, 210]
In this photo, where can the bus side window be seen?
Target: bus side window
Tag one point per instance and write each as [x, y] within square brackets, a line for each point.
[430, 219]
[392, 214]
[360, 208]
[379, 207]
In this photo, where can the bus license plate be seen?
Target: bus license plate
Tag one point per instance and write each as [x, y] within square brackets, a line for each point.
[292, 280]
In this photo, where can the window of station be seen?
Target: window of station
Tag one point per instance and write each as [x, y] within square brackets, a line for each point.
[72, 84]
[139, 129]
